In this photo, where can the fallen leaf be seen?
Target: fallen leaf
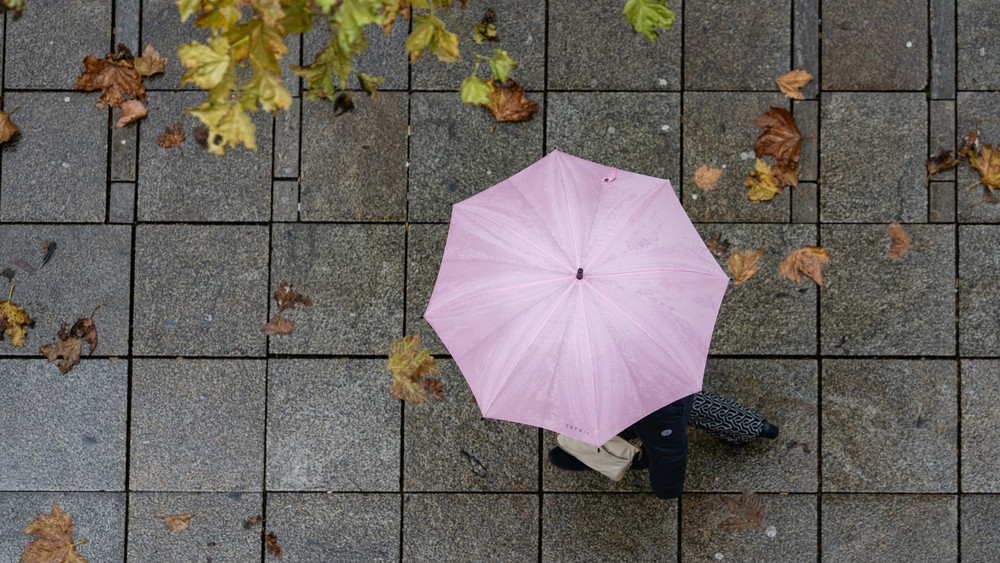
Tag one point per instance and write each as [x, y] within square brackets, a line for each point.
[287, 298]
[743, 264]
[936, 164]
[53, 539]
[790, 82]
[171, 139]
[706, 178]
[748, 512]
[900, 241]
[7, 128]
[763, 183]
[787, 175]
[435, 388]
[150, 62]
[717, 245]
[411, 367]
[15, 6]
[255, 521]
[987, 163]
[507, 102]
[49, 246]
[113, 76]
[176, 523]
[277, 325]
[272, 545]
[131, 111]
[781, 138]
[988, 197]
[66, 347]
[807, 260]
[970, 143]
[13, 319]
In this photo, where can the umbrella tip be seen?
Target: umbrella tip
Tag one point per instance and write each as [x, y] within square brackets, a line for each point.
[579, 274]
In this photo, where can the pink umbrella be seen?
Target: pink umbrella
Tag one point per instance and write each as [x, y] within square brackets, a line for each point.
[576, 297]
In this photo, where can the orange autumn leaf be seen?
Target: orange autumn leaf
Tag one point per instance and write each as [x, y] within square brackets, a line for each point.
[172, 139]
[743, 264]
[790, 82]
[131, 111]
[7, 128]
[507, 102]
[53, 539]
[781, 138]
[706, 178]
[747, 512]
[178, 522]
[900, 241]
[941, 162]
[278, 325]
[987, 163]
[807, 260]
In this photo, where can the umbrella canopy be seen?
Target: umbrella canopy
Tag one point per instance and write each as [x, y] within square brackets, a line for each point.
[576, 297]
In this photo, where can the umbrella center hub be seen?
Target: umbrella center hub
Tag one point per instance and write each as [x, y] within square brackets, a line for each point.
[579, 274]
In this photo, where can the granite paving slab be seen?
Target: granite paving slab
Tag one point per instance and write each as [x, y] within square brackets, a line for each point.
[873, 305]
[785, 393]
[45, 48]
[197, 425]
[638, 132]
[424, 250]
[805, 203]
[520, 26]
[890, 426]
[942, 51]
[941, 122]
[215, 533]
[756, 49]
[806, 43]
[431, 522]
[457, 151]
[287, 137]
[978, 55]
[89, 267]
[97, 517]
[980, 392]
[608, 528]
[806, 113]
[593, 47]
[124, 149]
[200, 290]
[787, 531]
[200, 186]
[74, 445]
[978, 294]
[449, 446]
[857, 33]
[354, 165]
[980, 534]
[321, 414]
[354, 276]
[335, 527]
[385, 57]
[285, 201]
[55, 170]
[767, 314]
[941, 202]
[725, 139]
[163, 29]
[889, 528]
[121, 203]
[976, 111]
[873, 147]
[127, 18]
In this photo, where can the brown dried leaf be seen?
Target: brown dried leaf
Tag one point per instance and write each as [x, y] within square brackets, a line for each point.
[748, 512]
[7, 129]
[743, 264]
[936, 164]
[131, 111]
[278, 325]
[970, 144]
[787, 176]
[900, 241]
[287, 298]
[987, 163]
[171, 139]
[255, 521]
[272, 545]
[781, 138]
[706, 178]
[114, 77]
[434, 388]
[507, 102]
[717, 245]
[176, 523]
[790, 82]
[807, 260]
[66, 347]
[411, 368]
[53, 541]
[150, 62]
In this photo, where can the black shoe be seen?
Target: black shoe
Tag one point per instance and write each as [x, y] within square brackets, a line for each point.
[563, 460]
[768, 430]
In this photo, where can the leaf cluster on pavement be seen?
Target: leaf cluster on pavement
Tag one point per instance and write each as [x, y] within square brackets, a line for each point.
[119, 76]
[287, 299]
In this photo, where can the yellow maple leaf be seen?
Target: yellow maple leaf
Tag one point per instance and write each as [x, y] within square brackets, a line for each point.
[987, 163]
[228, 125]
[411, 367]
[762, 182]
[707, 178]
[791, 81]
[208, 64]
[13, 319]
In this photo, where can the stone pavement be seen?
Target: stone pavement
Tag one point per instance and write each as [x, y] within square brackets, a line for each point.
[884, 381]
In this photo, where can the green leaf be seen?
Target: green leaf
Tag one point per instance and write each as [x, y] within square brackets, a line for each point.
[501, 64]
[259, 42]
[350, 19]
[325, 5]
[420, 4]
[228, 125]
[218, 14]
[188, 8]
[475, 91]
[208, 63]
[266, 89]
[332, 59]
[297, 18]
[484, 32]
[646, 16]
[368, 82]
[429, 33]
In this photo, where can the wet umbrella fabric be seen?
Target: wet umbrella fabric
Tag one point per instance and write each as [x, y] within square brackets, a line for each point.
[576, 297]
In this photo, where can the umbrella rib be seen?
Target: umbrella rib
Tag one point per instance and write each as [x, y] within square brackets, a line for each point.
[590, 358]
[504, 227]
[569, 213]
[495, 291]
[534, 337]
[644, 331]
[639, 272]
[638, 208]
